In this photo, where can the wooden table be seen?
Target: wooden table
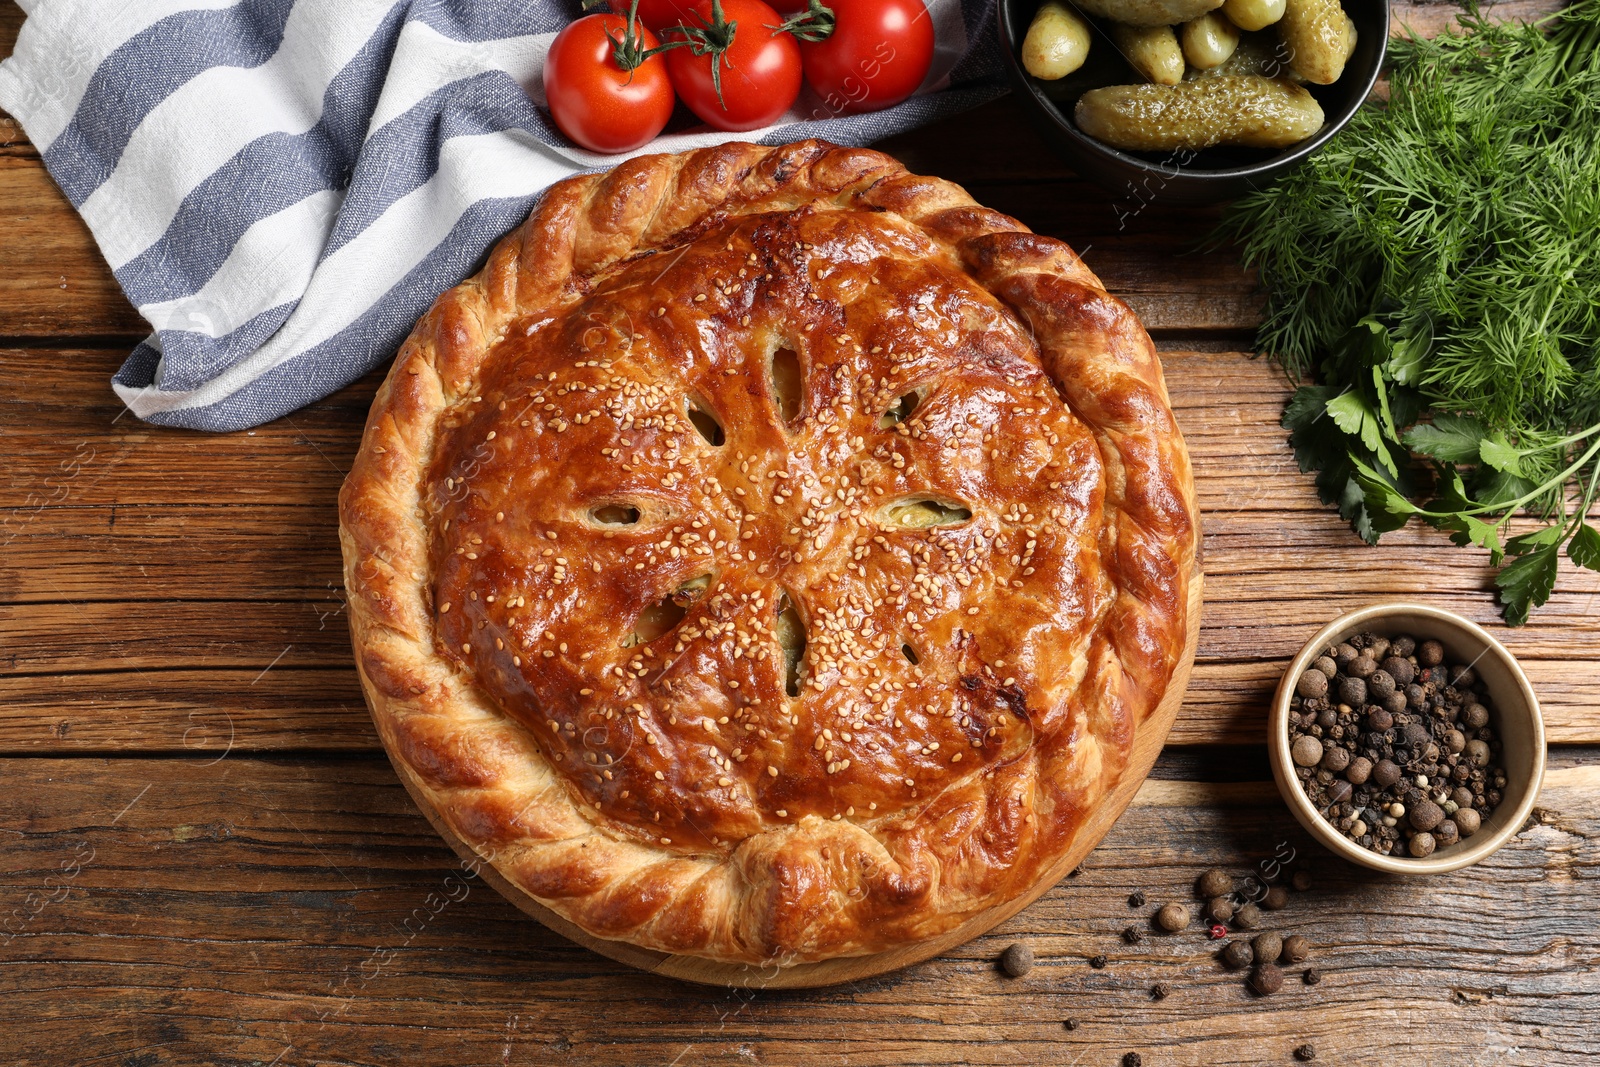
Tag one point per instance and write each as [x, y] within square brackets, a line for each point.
[207, 858]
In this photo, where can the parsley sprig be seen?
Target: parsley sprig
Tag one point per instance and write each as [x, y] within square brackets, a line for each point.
[1436, 270]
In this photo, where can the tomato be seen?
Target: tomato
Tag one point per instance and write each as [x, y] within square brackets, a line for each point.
[594, 96]
[657, 16]
[876, 56]
[757, 66]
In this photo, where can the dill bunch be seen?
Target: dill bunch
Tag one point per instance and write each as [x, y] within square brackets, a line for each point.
[1435, 272]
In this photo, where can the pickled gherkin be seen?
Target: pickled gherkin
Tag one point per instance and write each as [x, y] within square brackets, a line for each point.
[1246, 110]
[1149, 12]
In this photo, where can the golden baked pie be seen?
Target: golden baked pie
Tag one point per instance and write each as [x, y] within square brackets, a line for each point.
[770, 555]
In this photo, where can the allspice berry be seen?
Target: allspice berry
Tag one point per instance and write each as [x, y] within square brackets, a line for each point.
[1214, 883]
[1306, 751]
[1237, 955]
[1172, 917]
[1425, 815]
[1313, 683]
[1267, 946]
[1220, 908]
[1247, 916]
[1296, 949]
[1352, 690]
[1430, 654]
[1385, 774]
[1360, 770]
[1266, 979]
[1017, 959]
[1334, 759]
[1422, 845]
[1301, 879]
[1468, 821]
[1275, 899]
[1446, 833]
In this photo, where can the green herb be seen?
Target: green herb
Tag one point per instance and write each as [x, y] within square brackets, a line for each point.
[1438, 267]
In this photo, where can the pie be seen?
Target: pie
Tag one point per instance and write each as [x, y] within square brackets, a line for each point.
[771, 555]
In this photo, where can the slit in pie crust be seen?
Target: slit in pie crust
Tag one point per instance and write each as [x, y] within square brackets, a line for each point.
[771, 554]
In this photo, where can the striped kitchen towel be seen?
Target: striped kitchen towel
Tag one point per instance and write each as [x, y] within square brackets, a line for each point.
[284, 186]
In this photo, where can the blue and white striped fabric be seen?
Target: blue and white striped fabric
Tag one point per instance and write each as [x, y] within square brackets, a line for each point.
[283, 186]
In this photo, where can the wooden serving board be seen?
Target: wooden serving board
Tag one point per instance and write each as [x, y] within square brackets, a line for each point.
[1147, 744]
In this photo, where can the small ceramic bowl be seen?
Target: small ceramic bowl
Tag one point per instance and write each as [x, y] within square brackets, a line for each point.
[1214, 174]
[1515, 718]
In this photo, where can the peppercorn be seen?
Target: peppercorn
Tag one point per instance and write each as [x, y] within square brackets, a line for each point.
[1402, 645]
[1379, 720]
[1334, 759]
[1098, 962]
[1133, 935]
[1398, 668]
[1136, 899]
[1359, 771]
[1363, 669]
[1172, 917]
[1468, 821]
[1313, 683]
[1305, 1053]
[1214, 883]
[1326, 665]
[1160, 991]
[1132, 1059]
[1430, 654]
[1345, 654]
[1296, 949]
[1306, 751]
[1017, 959]
[1425, 815]
[1237, 955]
[1301, 880]
[1220, 908]
[1275, 899]
[1381, 685]
[1339, 791]
[1312, 976]
[1446, 833]
[1247, 916]
[1267, 946]
[1352, 690]
[1422, 845]
[1385, 773]
[1266, 979]
[1070, 1024]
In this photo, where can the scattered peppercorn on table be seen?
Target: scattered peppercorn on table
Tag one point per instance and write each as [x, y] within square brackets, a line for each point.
[208, 858]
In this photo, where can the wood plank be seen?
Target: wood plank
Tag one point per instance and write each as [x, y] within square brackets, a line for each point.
[260, 911]
[112, 566]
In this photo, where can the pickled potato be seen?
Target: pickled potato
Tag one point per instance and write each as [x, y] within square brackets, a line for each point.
[1253, 14]
[1226, 109]
[1149, 12]
[1057, 42]
[1320, 37]
[1152, 51]
[1209, 40]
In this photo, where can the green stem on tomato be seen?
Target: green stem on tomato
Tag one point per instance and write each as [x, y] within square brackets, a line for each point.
[814, 24]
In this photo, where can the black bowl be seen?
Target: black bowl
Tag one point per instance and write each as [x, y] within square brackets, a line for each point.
[1203, 177]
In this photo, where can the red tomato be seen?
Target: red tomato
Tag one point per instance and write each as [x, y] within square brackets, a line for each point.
[758, 66]
[876, 56]
[593, 97]
[657, 16]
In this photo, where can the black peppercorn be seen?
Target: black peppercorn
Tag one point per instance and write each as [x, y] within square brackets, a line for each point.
[1133, 1059]
[1160, 991]
[1312, 976]
[1306, 1053]
[1097, 962]
[1133, 935]
[1070, 1024]
[1136, 899]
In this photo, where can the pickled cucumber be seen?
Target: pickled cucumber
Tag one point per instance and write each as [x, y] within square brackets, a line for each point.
[1149, 12]
[1153, 51]
[1057, 42]
[1209, 40]
[1319, 36]
[1258, 53]
[1253, 14]
[1246, 110]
